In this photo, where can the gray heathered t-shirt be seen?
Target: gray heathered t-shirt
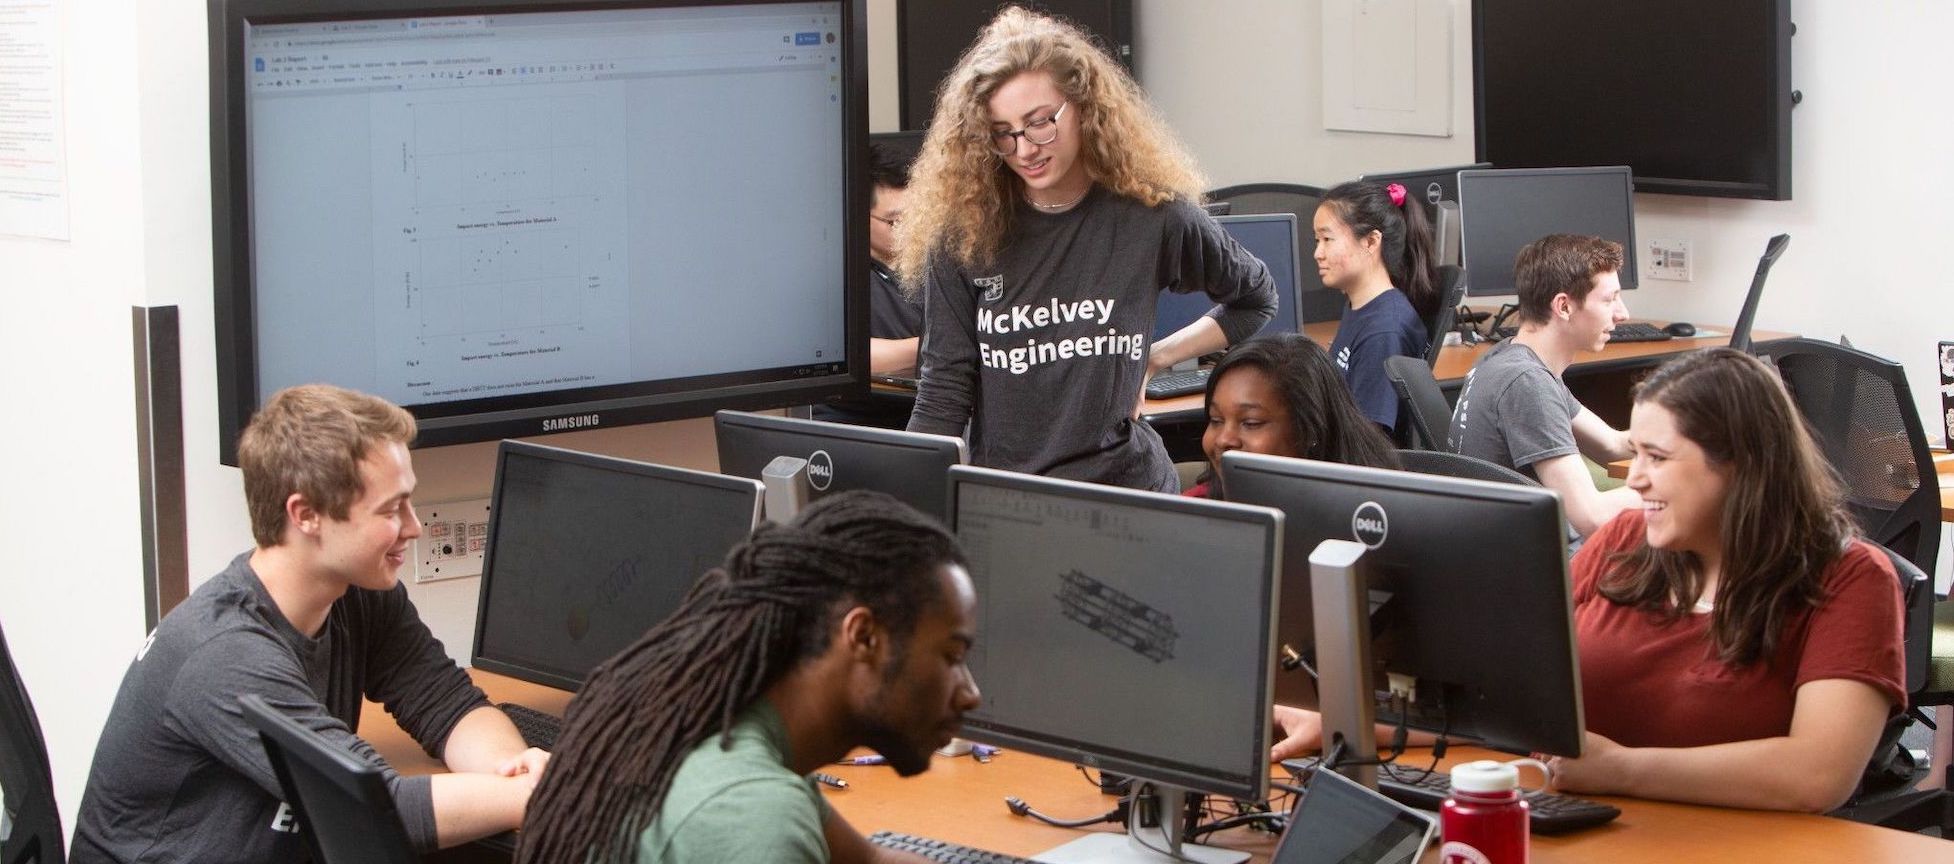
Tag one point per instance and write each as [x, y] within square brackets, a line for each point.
[180, 776]
[1513, 411]
[1043, 349]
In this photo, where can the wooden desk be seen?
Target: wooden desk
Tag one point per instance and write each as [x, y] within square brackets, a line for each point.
[962, 800]
[1454, 361]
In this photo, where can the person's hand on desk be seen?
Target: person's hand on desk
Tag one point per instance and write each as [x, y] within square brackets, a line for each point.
[1301, 730]
[1602, 771]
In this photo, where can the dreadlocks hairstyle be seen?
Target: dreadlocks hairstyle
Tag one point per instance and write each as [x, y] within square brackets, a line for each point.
[961, 195]
[1783, 519]
[743, 625]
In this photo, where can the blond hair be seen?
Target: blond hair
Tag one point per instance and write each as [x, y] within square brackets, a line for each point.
[310, 439]
[962, 196]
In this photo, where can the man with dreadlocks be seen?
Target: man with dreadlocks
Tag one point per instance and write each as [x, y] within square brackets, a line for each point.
[845, 628]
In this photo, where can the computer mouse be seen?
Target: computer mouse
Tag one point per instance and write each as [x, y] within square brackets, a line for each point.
[1680, 329]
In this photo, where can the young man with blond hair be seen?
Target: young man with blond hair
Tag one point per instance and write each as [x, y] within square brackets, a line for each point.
[312, 620]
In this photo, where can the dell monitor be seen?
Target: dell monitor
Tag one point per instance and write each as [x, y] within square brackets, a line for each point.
[1502, 211]
[585, 553]
[1468, 596]
[908, 466]
[1429, 185]
[1104, 638]
[1270, 237]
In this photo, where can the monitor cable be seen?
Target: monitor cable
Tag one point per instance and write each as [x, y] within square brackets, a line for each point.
[1018, 807]
[1334, 757]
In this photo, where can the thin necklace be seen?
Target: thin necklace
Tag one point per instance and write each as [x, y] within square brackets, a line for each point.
[1082, 197]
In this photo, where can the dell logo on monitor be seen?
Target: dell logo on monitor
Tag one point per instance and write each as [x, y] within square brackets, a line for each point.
[1368, 525]
[820, 470]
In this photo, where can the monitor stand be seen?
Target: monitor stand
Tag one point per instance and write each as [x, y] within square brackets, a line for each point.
[1143, 844]
[1339, 584]
[787, 488]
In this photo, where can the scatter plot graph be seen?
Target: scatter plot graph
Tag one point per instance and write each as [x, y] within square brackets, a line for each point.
[498, 152]
[499, 282]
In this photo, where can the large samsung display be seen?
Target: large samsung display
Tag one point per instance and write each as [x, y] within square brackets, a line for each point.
[516, 218]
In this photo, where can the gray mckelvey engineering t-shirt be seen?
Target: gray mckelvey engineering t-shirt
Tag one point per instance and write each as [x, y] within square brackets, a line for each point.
[180, 776]
[1513, 411]
[1044, 348]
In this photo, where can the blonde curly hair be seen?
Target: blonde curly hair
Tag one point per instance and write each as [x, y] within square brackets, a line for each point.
[962, 196]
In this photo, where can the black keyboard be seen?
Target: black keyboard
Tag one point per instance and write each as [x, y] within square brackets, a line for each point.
[1549, 813]
[1633, 331]
[939, 850]
[539, 729]
[1167, 385]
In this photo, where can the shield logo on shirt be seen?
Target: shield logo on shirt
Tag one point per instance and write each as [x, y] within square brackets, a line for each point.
[993, 287]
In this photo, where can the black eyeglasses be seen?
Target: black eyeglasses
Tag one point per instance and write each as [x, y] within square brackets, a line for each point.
[1004, 142]
[892, 221]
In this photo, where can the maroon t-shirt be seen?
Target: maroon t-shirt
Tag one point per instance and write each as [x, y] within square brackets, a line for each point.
[1646, 683]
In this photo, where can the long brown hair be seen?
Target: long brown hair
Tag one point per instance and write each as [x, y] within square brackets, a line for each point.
[742, 627]
[1783, 521]
[961, 195]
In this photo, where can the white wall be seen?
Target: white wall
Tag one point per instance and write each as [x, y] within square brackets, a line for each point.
[70, 560]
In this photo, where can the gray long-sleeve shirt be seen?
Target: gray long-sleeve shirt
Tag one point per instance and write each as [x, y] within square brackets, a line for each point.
[180, 775]
[1043, 350]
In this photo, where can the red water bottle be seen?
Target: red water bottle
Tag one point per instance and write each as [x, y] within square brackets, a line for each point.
[1485, 820]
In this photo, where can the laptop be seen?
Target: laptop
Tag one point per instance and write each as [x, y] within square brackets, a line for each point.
[1342, 822]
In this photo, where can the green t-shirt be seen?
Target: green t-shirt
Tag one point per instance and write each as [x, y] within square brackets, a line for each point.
[739, 804]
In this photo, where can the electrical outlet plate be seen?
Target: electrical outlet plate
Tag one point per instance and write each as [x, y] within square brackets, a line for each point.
[453, 536]
[1667, 259]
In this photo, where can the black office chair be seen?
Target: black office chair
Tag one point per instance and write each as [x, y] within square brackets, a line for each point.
[33, 834]
[342, 802]
[1455, 465]
[1885, 796]
[1451, 292]
[1421, 402]
[1863, 415]
[1318, 303]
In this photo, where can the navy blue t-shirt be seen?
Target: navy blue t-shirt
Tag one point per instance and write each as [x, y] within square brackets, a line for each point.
[1385, 327]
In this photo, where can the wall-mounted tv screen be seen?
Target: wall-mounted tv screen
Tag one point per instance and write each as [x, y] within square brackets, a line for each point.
[1695, 96]
[516, 218]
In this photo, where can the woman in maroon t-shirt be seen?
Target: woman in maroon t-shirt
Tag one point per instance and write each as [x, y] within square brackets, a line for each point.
[1739, 645]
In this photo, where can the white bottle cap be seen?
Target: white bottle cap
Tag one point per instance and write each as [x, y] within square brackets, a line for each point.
[1485, 775]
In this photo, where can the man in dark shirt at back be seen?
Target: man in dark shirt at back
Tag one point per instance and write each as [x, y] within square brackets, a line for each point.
[311, 620]
[895, 318]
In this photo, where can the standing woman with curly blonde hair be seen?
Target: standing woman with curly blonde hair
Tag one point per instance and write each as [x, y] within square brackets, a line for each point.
[1049, 207]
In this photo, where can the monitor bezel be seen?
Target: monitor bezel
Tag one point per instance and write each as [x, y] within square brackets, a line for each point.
[1251, 785]
[456, 422]
[873, 436]
[559, 678]
[1423, 173]
[1480, 285]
